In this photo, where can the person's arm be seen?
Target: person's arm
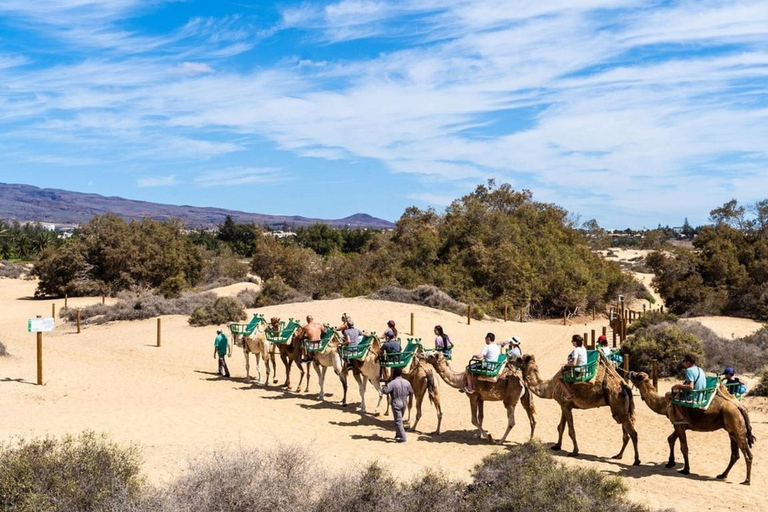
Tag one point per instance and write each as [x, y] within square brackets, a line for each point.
[684, 385]
[386, 389]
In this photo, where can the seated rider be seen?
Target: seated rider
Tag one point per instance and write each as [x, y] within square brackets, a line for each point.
[390, 346]
[391, 329]
[577, 359]
[351, 336]
[443, 342]
[695, 379]
[735, 385]
[612, 356]
[514, 352]
[490, 353]
[313, 334]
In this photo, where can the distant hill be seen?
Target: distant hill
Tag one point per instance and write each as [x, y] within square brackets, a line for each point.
[27, 203]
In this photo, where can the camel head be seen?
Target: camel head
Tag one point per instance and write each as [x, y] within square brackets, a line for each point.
[639, 378]
[274, 323]
[527, 362]
[433, 357]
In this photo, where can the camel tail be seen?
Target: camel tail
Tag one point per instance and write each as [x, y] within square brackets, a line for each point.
[751, 439]
[431, 387]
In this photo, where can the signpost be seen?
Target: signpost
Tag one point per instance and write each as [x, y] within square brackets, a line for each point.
[40, 325]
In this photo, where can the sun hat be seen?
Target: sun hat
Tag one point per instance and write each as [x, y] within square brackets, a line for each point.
[514, 340]
[728, 370]
[602, 338]
[218, 330]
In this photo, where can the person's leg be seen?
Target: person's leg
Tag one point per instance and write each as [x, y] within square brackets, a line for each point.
[397, 412]
[223, 370]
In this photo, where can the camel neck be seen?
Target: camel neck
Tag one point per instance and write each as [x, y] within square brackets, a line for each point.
[533, 381]
[658, 404]
[452, 378]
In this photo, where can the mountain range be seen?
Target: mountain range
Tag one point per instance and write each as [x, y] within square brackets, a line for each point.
[26, 203]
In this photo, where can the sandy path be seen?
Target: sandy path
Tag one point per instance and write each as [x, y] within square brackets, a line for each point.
[113, 379]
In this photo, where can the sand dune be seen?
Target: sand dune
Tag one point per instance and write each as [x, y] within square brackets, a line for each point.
[112, 378]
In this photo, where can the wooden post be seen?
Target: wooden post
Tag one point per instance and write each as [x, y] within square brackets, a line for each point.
[655, 374]
[66, 296]
[565, 315]
[624, 329]
[39, 357]
[661, 308]
[413, 332]
[593, 314]
[626, 368]
[78, 321]
[522, 315]
[594, 340]
[586, 340]
[53, 311]
[103, 299]
[506, 312]
[615, 325]
[469, 314]
[158, 332]
[605, 331]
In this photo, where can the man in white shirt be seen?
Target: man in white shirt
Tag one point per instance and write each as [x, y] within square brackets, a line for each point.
[490, 352]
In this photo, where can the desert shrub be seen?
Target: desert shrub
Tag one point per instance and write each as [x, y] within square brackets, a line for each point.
[223, 266]
[72, 473]
[298, 266]
[247, 481]
[759, 338]
[249, 297]
[665, 342]
[221, 311]
[527, 478]
[651, 318]
[424, 295]
[761, 388]
[172, 287]
[3, 350]
[13, 270]
[276, 291]
[744, 354]
[133, 306]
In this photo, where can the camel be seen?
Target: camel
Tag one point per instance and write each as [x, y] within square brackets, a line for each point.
[724, 412]
[327, 358]
[290, 352]
[508, 388]
[364, 370]
[257, 345]
[422, 379]
[606, 388]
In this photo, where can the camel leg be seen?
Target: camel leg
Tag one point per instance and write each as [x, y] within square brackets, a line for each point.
[473, 407]
[257, 358]
[274, 363]
[527, 401]
[628, 432]
[572, 433]
[377, 387]
[361, 382]
[480, 416]
[344, 387]
[560, 430]
[510, 420]
[672, 439]
[419, 402]
[247, 363]
[287, 362]
[306, 389]
[734, 458]
[320, 378]
[683, 448]
[301, 374]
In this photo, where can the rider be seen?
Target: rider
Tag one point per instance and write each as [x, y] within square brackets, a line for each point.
[735, 382]
[443, 342]
[577, 358]
[352, 336]
[695, 379]
[390, 346]
[490, 352]
[313, 334]
[514, 350]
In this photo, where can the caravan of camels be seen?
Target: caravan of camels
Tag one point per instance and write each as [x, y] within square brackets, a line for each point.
[509, 377]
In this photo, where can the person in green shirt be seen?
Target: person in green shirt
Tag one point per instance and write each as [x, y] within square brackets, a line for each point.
[220, 349]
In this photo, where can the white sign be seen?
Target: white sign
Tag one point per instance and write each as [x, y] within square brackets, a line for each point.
[40, 324]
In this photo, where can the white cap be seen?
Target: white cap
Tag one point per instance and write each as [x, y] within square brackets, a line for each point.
[218, 330]
[514, 340]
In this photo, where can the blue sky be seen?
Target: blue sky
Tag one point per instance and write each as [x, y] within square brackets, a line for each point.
[630, 112]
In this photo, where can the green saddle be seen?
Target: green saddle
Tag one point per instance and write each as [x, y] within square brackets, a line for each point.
[319, 346]
[487, 368]
[400, 359]
[360, 350]
[246, 329]
[697, 398]
[283, 335]
[584, 372]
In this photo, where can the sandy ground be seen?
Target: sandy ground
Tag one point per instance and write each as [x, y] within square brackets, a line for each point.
[168, 400]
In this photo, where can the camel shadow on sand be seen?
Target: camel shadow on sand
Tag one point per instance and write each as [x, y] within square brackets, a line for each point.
[626, 470]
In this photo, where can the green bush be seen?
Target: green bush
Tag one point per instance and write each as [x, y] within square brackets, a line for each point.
[221, 311]
[666, 343]
[172, 287]
[761, 388]
[60, 475]
[276, 291]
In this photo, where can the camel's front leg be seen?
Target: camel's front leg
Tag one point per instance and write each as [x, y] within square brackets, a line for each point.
[247, 362]
[306, 388]
[344, 387]
[302, 374]
[530, 411]
[419, 402]
[257, 359]
[377, 387]
[560, 430]
[671, 440]
[361, 387]
[683, 448]
[572, 432]
[320, 378]
[473, 411]
[274, 363]
[287, 362]
[510, 420]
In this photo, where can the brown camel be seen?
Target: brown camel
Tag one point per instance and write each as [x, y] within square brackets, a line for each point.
[606, 388]
[508, 388]
[364, 370]
[290, 352]
[257, 345]
[724, 412]
[422, 379]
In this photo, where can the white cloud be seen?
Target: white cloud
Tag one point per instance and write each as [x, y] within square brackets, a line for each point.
[240, 176]
[157, 181]
[191, 68]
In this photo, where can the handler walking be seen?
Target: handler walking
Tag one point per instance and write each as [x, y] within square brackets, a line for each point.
[399, 389]
[220, 348]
